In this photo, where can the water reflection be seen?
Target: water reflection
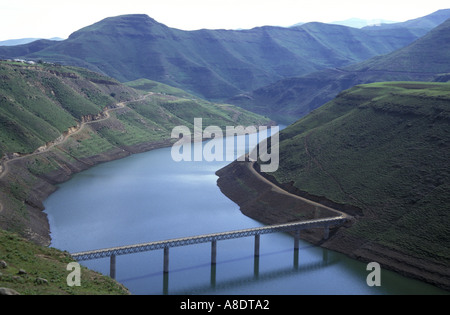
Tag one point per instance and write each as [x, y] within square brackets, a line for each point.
[230, 284]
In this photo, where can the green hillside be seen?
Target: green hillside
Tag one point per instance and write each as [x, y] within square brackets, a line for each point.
[39, 103]
[57, 121]
[287, 100]
[214, 64]
[37, 270]
[146, 85]
[383, 148]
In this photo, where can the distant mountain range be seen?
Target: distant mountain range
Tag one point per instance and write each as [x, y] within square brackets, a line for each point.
[420, 24]
[360, 23]
[216, 64]
[426, 59]
[355, 22]
[23, 41]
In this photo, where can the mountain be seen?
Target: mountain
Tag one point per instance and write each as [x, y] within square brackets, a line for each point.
[23, 41]
[213, 64]
[287, 100]
[25, 49]
[420, 25]
[360, 23]
[379, 152]
[56, 121]
[429, 54]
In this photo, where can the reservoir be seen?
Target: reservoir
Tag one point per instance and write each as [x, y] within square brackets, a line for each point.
[149, 197]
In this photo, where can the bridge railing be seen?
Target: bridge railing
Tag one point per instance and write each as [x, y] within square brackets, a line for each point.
[213, 238]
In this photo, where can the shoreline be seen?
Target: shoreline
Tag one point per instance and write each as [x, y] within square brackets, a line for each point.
[260, 197]
[31, 222]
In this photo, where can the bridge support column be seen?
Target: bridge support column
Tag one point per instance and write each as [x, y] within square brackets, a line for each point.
[165, 284]
[296, 239]
[166, 259]
[326, 232]
[296, 247]
[213, 252]
[256, 267]
[112, 266]
[257, 243]
[213, 276]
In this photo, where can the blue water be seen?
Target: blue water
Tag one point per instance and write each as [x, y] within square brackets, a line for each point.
[149, 197]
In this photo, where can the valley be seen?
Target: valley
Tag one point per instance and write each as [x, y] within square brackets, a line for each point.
[426, 59]
[367, 109]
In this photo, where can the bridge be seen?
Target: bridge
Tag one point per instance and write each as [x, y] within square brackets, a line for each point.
[213, 238]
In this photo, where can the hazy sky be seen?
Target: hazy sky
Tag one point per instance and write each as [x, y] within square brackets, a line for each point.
[60, 18]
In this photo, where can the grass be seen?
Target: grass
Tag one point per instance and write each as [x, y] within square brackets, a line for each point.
[44, 271]
[147, 85]
[39, 103]
[384, 148]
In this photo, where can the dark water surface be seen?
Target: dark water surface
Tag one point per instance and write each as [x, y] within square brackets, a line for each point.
[149, 197]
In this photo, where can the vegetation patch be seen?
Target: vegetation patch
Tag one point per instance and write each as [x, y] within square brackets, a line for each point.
[384, 148]
[29, 269]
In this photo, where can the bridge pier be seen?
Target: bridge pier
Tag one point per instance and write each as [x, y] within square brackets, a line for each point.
[166, 284]
[257, 244]
[166, 259]
[296, 239]
[214, 252]
[112, 266]
[213, 275]
[256, 267]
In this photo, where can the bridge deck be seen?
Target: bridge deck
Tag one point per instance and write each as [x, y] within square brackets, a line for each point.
[137, 248]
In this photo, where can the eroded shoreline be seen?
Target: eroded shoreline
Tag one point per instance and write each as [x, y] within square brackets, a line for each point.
[23, 212]
[269, 202]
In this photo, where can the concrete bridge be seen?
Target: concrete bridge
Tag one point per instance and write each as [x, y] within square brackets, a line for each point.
[213, 238]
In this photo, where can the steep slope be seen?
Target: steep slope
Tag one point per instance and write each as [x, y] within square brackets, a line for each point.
[39, 103]
[56, 121]
[430, 54]
[382, 148]
[213, 63]
[290, 99]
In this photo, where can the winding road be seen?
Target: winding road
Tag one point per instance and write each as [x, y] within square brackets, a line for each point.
[105, 114]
